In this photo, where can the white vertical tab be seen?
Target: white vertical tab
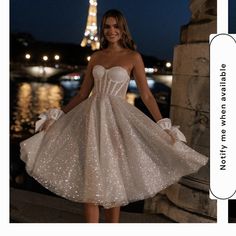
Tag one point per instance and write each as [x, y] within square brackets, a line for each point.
[222, 16]
[222, 115]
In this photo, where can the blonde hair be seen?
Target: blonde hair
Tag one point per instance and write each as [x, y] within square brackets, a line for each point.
[126, 39]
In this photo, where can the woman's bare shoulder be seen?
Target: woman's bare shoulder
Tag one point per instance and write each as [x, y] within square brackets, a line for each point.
[97, 54]
[133, 54]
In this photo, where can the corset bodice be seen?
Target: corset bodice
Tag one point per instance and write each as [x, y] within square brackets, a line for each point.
[113, 81]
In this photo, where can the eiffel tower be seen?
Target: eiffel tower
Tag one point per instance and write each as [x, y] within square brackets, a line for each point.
[91, 34]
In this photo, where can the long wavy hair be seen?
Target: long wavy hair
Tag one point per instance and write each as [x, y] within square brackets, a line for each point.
[126, 40]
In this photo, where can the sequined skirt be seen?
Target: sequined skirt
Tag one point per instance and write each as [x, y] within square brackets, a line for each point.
[107, 152]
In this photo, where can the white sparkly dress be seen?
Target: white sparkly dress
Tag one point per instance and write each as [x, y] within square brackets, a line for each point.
[106, 151]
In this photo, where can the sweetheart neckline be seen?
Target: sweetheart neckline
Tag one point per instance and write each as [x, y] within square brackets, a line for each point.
[113, 67]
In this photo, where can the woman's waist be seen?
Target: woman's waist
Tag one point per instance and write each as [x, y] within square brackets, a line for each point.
[107, 95]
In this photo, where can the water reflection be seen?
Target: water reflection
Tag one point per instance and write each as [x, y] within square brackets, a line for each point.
[31, 99]
[23, 115]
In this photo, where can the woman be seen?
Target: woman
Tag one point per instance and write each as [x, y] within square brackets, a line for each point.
[104, 151]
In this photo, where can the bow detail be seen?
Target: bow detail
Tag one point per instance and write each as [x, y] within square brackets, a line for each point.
[52, 115]
[174, 130]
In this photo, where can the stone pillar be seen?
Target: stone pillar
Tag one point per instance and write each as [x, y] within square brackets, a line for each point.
[188, 200]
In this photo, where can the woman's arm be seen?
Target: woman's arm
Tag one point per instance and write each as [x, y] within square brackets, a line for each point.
[85, 89]
[146, 94]
[82, 94]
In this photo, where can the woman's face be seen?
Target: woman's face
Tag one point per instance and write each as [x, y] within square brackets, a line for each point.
[111, 30]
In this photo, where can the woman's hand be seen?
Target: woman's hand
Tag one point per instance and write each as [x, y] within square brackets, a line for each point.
[173, 131]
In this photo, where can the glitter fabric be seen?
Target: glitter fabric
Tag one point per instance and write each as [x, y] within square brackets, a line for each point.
[106, 151]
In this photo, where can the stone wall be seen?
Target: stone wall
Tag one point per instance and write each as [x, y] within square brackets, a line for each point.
[188, 200]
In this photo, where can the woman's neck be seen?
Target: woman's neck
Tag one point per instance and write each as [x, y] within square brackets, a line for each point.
[114, 47]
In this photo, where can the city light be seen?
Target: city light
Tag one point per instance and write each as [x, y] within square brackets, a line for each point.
[149, 70]
[168, 64]
[57, 57]
[27, 56]
[45, 58]
[90, 35]
[88, 58]
[93, 2]
[41, 71]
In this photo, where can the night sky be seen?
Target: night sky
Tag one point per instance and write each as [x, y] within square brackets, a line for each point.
[232, 16]
[154, 24]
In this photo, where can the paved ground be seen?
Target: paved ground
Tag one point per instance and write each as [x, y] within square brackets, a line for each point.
[31, 207]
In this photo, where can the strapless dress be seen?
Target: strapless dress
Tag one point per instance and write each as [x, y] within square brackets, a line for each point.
[106, 151]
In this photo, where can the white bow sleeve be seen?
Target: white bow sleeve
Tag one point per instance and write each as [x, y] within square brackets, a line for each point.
[166, 124]
[52, 114]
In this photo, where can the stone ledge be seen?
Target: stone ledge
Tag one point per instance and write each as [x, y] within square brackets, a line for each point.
[198, 32]
[194, 90]
[203, 10]
[195, 126]
[192, 59]
[166, 207]
[197, 202]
